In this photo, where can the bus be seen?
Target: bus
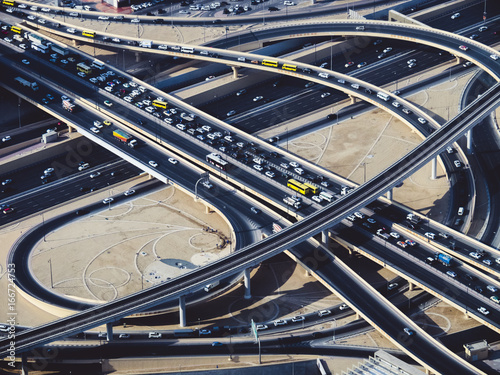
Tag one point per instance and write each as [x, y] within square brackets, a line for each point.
[160, 104]
[215, 159]
[15, 29]
[187, 49]
[383, 96]
[326, 196]
[270, 63]
[82, 67]
[313, 189]
[8, 3]
[90, 34]
[298, 186]
[40, 48]
[293, 68]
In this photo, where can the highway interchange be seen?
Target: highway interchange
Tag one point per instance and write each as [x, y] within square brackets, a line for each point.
[339, 215]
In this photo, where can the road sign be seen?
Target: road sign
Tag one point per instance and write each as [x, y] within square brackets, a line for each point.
[254, 331]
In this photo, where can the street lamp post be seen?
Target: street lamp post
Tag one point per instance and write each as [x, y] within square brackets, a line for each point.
[51, 277]
[334, 327]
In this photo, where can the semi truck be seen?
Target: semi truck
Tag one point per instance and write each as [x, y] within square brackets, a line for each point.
[24, 82]
[292, 202]
[124, 137]
[68, 105]
[445, 259]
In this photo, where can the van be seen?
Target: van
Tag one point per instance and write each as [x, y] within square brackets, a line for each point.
[154, 335]
[323, 75]
[341, 81]
[241, 59]
[205, 53]
[83, 166]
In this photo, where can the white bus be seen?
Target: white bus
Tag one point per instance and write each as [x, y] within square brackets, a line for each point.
[187, 49]
[326, 196]
[383, 96]
[97, 64]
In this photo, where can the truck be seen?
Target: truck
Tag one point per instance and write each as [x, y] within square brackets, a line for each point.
[210, 286]
[445, 259]
[382, 234]
[68, 105]
[60, 50]
[24, 82]
[292, 202]
[146, 43]
[35, 38]
[414, 219]
[124, 137]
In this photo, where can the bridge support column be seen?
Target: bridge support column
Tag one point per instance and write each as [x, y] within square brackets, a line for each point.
[469, 142]
[207, 209]
[433, 169]
[410, 286]
[389, 195]
[325, 238]
[109, 331]
[70, 129]
[460, 60]
[24, 364]
[356, 316]
[137, 56]
[248, 293]
[235, 71]
[353, 99]
[182, 311]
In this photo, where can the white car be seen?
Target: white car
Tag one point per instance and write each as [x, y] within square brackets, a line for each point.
[494, 57]
[422, 120]
[451, 274]
[294, 164]
[260, 327]
[153, 163]
[108, 201]
[129, 192]
[474, 255]
[172, 160]
[455, 16]
[258, 167]
[288, 3]
[103, 18]
[280, 322]
[270, 174]
[116, 40]
[94, 130]
[394, 235]
[483, 310]
[299, 171]
[324, 313]
[122, 335]
[258, 98]
[457, 163]
[325, 95]
[298, 318]
[317, 198]
[388, 49]
[95, 174]
[343, 307]
[127, 99]
[429, 235]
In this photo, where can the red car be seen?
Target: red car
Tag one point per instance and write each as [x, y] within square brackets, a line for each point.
[8, 210]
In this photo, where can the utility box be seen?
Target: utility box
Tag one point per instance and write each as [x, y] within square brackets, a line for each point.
[476, 351]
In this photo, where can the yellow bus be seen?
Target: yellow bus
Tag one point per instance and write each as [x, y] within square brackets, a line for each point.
[82, 67]
[8, 3]
[293, 68]
[15, 29]
[90, 34]
[270, 63]
[298, 186]
[160, 104]
[313, 189]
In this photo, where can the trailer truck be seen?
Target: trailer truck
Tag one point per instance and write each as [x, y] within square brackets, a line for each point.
[445, 259]
[24, 82]
[124, 137]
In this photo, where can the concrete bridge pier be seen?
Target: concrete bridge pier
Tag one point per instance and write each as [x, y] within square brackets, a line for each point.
[411, 286]
[137, 56]
[433, 169]
[389, 195]
[248, 293]
[182, 311]
[235, 71]
[353, 99]
[325, 238]
[24, 364]
[468, 136]
[109, 331]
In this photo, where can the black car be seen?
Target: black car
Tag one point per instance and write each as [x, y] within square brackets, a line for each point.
[273, 9]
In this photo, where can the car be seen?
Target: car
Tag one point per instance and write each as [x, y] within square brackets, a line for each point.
[309, 84]
[172, 160]
[457, 163]
[387, 50]
[6, 182]
[6, 138]
[31, 17]
[93, 129]
[349, 64]
[103, 18]
[322, 313]
[154, 335]
[412, 65]
[402, 244]
[241, 92]
[430, 235]
[317, 198]
[231, 113]
[494, 57]
[392, 286]
[474, 255]
[488, 262]
[270, 174]
[483, 28]
[8, 210]
[492, 288]
[258, 167]
[362, 64]
[495, 299]
[409, 331]
[22, 46]
[182, 11]
[444, 235]
[407, 111]
[343, 307]
[458, 222]
[135, 20]
[107, 122]
[325, 95]
[294, 164]
[255, 210]
[359, 215]
[422, 120]
[258, 98]
[95, 174]
[463, 48]
[122, 335]
[455, 16]
[129, 192]
[299, 171]
[261, 327]
[325, 183]
[107, 200]
[451, 274]
[153, 163]
[108, 103]
[370, 220]
[474, 36]
[483, 310]
[25, 62]
[280, 322]
[411, 242]
[381, 56]
[450, 150]
[217, 343]
[298, 318]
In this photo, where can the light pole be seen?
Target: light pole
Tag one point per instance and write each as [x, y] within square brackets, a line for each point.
[334, 327]
[51, 278]
[19, 110]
